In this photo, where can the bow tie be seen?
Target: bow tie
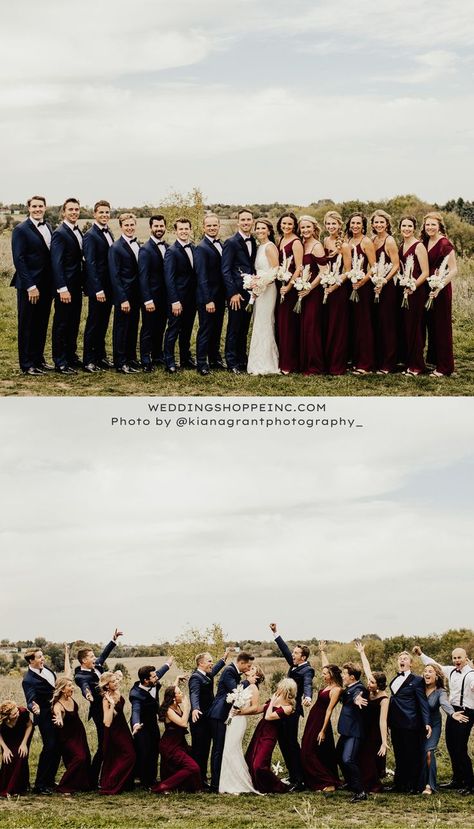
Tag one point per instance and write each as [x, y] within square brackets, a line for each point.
[131, 241]
[400, 673]
[40, 224]
[247, 239]
[216, 241]
[187, 246]
[104, 230]
[458, 670]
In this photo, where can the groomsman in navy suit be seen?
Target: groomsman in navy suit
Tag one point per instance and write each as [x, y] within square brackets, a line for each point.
[238, 258]
[67, 266]
[219, 711]
[123, 265]
[38, 686]
[409, 723]
[86, 676]
[144, 698]
[97, 287]
[153, 294]
[210, 297]
[180, 278]
[201, 696]
[31, 242]
[302, 673]
[351, 728]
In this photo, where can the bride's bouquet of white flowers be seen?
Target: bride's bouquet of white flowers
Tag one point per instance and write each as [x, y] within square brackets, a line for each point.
[238, 699]
[283, 273]
[356, 274]
[407, 280]
[331, 277]
[380, 271]
[302, 283]
[257, 284]
[438, 280]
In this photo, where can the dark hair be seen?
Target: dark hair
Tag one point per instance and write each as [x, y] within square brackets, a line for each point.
[410, 219]
[37, 198]
[244, 656]
[244, 210]
[30, 654]
[145, 671]
[82, 653]
[352, 216]
[380, 680]
[289, 215]
[267, 222]
[168, 700]
[182, 220]
[101, 203]
[304, 650]
[157, 218]
[335, 673]
[353, 668]
[71, 200]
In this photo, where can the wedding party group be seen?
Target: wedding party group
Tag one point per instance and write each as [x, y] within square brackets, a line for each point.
[355, 301]
[217, 721]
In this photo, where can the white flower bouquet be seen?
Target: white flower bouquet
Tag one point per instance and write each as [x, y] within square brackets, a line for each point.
[257, 283]
[356, 274]
[238, 699]
[380, 271]
[407, 280]
[283, 273]
[437, 281]
[302, 283]
[331, 277]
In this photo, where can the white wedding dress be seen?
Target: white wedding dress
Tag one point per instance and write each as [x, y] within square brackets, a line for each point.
[263, 351]
[235, 776]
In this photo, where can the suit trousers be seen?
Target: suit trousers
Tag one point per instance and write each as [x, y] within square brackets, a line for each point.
[125, 333]
[457, 740]
[97, 323]
[180, 327]
[218, 731]
[201, 744]
[290, 747]
[236, 338]
[409, 756]
[147, 744]
[32, 328]
[347, 753]
[67, 316]
[50, 756]
[152, 332]
[208, 340]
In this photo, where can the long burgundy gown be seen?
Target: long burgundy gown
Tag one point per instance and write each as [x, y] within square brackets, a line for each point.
[311, 332]
[372, 767]
[259, 755]
[15, 775]
[75, 754]
[363, 345]
[319, 761]
[385, 321]
[439, 317]
[288, 323]
[413, 317]
[335, 315]
[119, 755]
[178, 770]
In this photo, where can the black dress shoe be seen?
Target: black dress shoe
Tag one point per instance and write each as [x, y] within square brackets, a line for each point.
[76, 363]
[189, 363]
[359, 797]
[148, 368]
[219, 365]
[134, 364]
[32, 371]
[65, 370]
[466, 791]
[204, 371]
[126, 369]
[45, 367]
[451, 785]
[105, 363]
[235, 370]
[171, 369]
[91, 368]
[42, 790]
[159, 361]
[297, 787]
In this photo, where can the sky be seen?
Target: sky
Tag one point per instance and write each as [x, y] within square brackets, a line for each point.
[250, 102]
[330, 532]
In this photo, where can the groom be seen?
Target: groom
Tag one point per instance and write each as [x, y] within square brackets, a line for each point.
[238, 258]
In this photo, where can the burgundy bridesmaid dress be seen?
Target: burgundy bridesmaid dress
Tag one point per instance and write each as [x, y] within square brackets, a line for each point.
[385, 322]
[259, 755]
[335, 313]
[288, 323]
[319, 761]
[75, 754]
[15, 775]
[311, 342]
[119, 755]
[372, 767]
[178, 770]
[413, 318]
[363, 343]
[439, 316]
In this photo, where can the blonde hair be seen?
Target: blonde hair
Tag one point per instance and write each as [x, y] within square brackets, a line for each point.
[434, 214]
[124, 216]
[384, 215]
[104, 680]
[60, 686]
[307, 218]
[333, 214]
[6, 709]
[288, 690]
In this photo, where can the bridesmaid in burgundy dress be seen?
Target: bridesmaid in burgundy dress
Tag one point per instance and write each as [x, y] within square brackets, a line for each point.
[265, 737]
[318, 751]
[311, 343]
[16, 730]
[364, 344]
[385, 307]
[72, 740]
[374, 746]
[336, 307]
[288, 323]
[413, 316]
[118, 750]
[178, 770]
[440, 323]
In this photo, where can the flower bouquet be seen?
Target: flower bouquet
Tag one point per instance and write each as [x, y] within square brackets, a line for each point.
[437, 281]
[331, 277]
[302, 283]
[380, 271]
[256, 284]
[407, 281]
[356, 274]
[283, 272]
[238, 700]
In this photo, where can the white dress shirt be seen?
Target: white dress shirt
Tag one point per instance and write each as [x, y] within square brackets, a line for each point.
[397, 683]
[44, 230]
[455, 679]
[188, 251]
[133, 244]
[106, 233]
[76, 231]
[217, 245]
[248, 242]
[46, 674]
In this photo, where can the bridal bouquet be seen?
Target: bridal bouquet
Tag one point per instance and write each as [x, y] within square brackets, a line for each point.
[380, 271]
[356, 274]
[283, 272]
[238, 699]
[257, 284]
[302, 283]
[331, 277]
[437, 281]
[407, 280]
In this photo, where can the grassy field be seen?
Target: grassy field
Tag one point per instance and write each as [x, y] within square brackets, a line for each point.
[186, 383]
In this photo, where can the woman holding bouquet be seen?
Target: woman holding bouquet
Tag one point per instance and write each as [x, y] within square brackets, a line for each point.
[363, 260]
[336, 297]
[385, 293]
[263, 351]
[288, 323]
[413, 259]
[318, 752]
[178, 770]
[442, 263]
[265, 736]
[118, 750]
[16, 730]
[314, 259]
[235, 777]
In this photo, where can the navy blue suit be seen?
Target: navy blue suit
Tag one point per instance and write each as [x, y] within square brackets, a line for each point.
[201, 695]
[123, 267]
[152, 286]
[210, 288]
[97, 278]
[67, 266]
[88, 680]
[217, 714]
[408, 714]
[351, 727]
[180, 278]
[39, 690]
[288, 727]
[32, 261]
[235, 262]
[147, 739]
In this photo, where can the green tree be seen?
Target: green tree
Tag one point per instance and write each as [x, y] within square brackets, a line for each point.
[194, 641]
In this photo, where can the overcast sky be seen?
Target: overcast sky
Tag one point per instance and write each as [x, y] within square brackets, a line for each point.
[331, 533]
[250, 101]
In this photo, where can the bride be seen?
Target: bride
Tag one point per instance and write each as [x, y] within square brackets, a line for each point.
[235, 776]
[263, 351]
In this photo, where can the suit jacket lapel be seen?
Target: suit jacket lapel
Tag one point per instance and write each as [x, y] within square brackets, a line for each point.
[38, 233]
[71, 233]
